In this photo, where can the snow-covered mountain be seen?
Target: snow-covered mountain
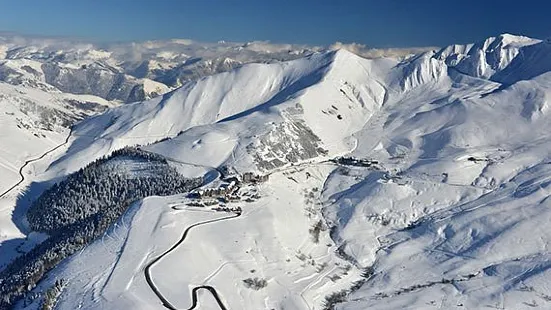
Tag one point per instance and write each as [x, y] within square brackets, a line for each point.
[56, 82]
[83, 75]
[386, 183]
[132, 72]
[136, 71]
[126, 72]
[48, 84]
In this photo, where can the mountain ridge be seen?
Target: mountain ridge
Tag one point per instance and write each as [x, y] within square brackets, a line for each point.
[377, 79]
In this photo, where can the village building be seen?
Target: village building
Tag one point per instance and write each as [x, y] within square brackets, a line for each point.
[251, 177]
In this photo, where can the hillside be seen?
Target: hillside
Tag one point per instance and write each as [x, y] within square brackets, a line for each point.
[376, 183]
[33, 125]
[34, 121]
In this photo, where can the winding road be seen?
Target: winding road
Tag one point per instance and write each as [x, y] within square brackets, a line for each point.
[147, 271]
[22, 176]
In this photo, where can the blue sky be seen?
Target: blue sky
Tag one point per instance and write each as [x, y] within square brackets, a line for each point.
[382, 23]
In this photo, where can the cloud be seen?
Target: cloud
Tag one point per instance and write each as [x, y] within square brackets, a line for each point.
[267, 46]
[353, 47]
[366, 52]
[179, 50]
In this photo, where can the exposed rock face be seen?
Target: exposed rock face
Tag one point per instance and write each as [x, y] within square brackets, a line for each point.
[101, 82]
[287, 142]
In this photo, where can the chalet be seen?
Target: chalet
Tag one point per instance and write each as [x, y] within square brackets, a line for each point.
[224, 189]
[210, 192]
[230, 179]
[250, 177]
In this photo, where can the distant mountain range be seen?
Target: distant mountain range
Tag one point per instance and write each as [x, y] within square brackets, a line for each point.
[127, 72]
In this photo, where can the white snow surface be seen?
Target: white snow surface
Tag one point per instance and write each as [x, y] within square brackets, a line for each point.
[454, 214]
[32, 123]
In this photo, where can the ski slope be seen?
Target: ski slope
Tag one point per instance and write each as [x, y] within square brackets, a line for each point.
[452, 213]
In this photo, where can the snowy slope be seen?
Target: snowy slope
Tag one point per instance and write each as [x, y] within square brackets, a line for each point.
[34, 120]
[33, 125]
[255, 100]
[257, 244]
[450, 212]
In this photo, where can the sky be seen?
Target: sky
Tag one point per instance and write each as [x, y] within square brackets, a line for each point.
[375, 23]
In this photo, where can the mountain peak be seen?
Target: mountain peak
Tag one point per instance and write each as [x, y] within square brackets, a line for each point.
[487, 57]
[344, 52]
[508, 38]
[505, 40]
[344, 56]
